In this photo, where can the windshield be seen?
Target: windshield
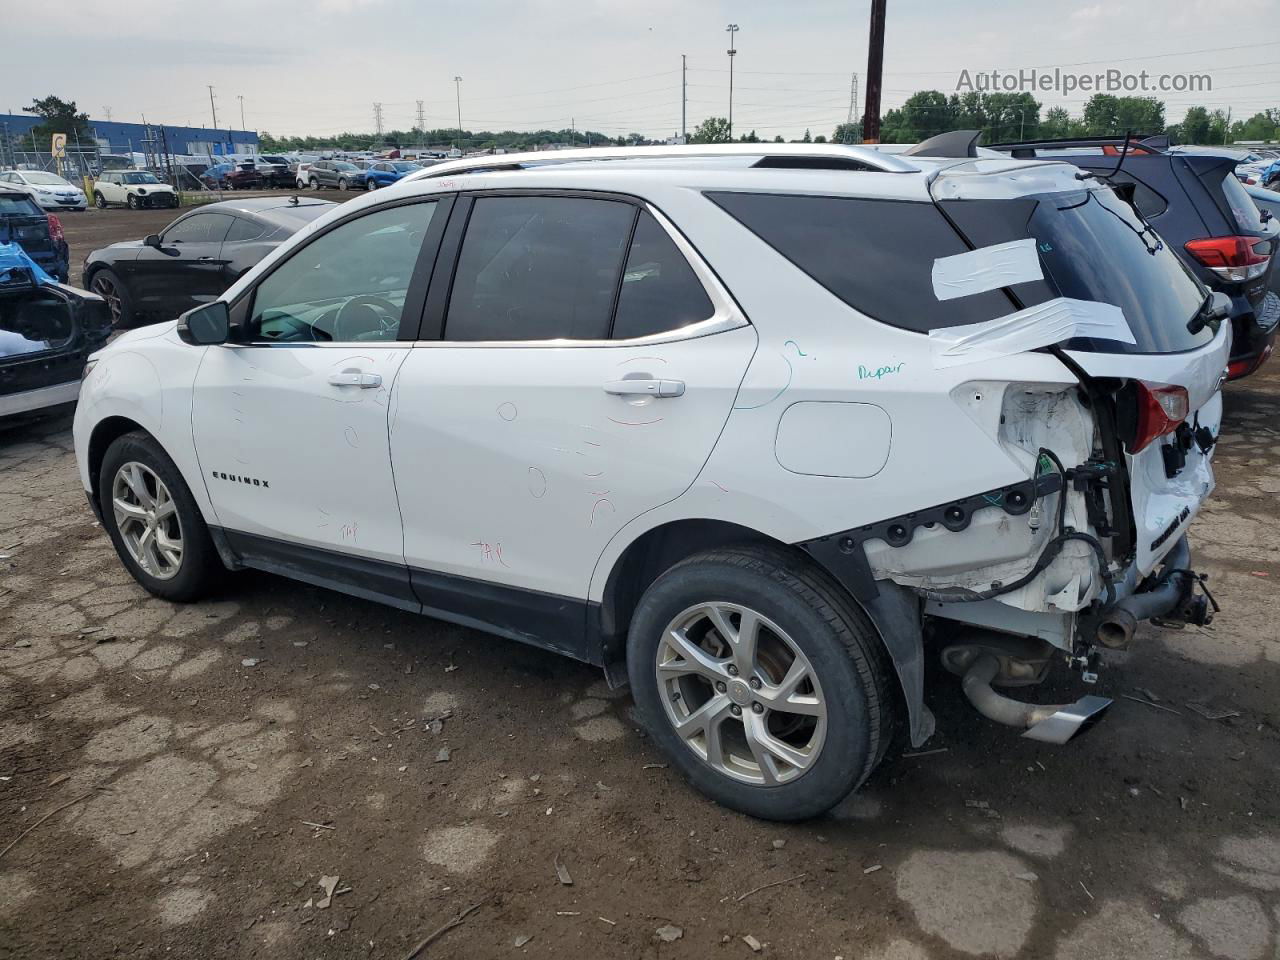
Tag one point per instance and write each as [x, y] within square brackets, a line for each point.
[1094, 246]
[140, 178]
[47, 179]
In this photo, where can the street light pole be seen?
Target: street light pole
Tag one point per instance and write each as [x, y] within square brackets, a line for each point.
[457, 86]
[240, 97]
[731, 29]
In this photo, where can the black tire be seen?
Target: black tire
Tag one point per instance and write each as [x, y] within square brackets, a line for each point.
[315, 184]
[342, 184]
[99, 200]
[371, 184]
[131, 201]
[200, 569]
[108, 285]
[839, 641]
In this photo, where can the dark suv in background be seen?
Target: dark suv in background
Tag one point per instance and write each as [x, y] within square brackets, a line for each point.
[38, 233]
[1197, 206]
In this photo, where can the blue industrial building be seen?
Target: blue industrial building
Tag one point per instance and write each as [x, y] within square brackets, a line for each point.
[113, 136]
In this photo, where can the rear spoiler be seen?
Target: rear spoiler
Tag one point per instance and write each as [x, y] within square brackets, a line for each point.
[1108, 146]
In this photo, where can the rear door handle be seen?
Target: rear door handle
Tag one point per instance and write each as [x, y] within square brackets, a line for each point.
[354, 378]
[645, 388]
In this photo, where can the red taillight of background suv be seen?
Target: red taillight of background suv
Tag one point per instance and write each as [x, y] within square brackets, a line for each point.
[1235, 259]
[1242, 368]
[1161, 408]
[55, 230]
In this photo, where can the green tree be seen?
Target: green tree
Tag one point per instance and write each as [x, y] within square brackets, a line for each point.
[1105, 115]
[1217, 128]
[778, 138]
[923, 115]
[847, 133]
[1261, 126]
[1056, 123]
[820, 138]
[712, 130]
[808, 137]
[1195, 126]
[57, 116]
[749, 138]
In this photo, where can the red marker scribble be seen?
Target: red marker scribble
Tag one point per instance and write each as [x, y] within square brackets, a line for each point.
[490, 552]
[635, 423]
[595, 507]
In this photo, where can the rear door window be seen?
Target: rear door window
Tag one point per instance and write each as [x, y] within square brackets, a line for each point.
[875, 255]
[539, 268]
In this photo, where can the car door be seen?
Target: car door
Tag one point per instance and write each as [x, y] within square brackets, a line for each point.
[290, 421]
[526, 434]
[185, 270]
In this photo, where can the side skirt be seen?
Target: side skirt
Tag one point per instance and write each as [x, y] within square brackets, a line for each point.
[563, 625]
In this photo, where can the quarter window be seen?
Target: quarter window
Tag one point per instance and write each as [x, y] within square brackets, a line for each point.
[539, 268]
[660, 291]
[350, 284]
[243, 230]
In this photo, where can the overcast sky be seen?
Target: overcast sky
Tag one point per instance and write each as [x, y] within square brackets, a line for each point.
[317, 66]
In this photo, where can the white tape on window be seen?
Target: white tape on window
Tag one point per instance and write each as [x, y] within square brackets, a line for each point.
[987, 268]
[1038, 326]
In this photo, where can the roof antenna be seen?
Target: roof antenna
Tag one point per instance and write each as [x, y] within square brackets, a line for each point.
[293, 200]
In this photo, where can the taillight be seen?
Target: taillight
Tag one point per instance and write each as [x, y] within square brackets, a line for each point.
[55, 229]
[1160, 409]
[1232, 258]
[1242, 368]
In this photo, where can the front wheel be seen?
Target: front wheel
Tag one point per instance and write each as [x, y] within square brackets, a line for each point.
[131, 202]
[765, 686]
[99, 200]
[154, 522]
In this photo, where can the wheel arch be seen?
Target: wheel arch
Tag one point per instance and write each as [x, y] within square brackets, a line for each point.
[895, 612]
[106, 432]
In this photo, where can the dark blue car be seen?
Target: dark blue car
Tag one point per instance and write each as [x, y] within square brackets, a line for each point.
[383, 173]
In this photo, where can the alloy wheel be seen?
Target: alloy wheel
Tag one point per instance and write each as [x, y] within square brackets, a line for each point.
[105, 287]
[147, 518]
[740, 693]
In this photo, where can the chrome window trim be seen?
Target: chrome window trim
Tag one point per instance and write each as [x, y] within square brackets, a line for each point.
[726, 315]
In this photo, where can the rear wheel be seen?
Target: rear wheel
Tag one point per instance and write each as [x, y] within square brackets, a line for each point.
[342, 184]
[315, 184]
[154, 522]
[765, 687]
[371, 184]
[110, 288]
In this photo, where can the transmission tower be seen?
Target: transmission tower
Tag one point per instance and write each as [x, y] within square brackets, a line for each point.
[853, 105]
[422, 118]
[377, 117]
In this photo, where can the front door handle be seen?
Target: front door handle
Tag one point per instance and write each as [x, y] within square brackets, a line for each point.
[645, 388]
[354, 378]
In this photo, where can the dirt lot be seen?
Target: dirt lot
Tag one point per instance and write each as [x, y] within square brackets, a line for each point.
[209, 797]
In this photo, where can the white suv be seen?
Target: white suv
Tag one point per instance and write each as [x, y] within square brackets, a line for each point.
[740, 425]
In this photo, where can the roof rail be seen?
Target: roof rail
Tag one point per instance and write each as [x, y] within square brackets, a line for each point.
[840, 156]
[1149, 143]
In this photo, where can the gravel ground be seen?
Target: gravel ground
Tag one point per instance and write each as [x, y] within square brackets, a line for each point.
[222, 759]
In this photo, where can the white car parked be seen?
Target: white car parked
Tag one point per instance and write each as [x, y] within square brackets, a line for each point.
[735, 424]
[135, 189]
[47, 189]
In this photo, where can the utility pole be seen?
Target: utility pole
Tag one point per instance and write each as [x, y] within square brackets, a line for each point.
[853, 105]
[212, 107]
[377, 118]
[731, 29]
[457, 86]
[240, 97]
[684, 98]
[108, 110]
[875, 72]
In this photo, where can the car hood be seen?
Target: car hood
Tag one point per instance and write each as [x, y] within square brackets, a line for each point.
[157, 187]
[55, 187]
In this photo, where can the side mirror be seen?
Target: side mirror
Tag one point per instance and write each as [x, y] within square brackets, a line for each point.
[152, 240]
[205, 326]
[1220, 305]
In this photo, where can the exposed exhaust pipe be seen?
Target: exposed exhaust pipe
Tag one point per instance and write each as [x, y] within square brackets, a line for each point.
[1117, 624]
[1051, 723]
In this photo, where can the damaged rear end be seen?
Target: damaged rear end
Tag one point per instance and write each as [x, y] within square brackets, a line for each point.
[1118, 454]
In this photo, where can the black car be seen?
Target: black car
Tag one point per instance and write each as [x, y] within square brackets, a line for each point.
[1198, 207]
[195, 258]
[275, 171]
[47, 331]
[39, 234]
